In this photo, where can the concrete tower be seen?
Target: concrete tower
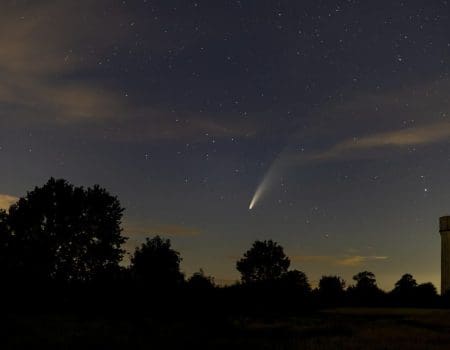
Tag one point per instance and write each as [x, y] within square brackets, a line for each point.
[444, 229]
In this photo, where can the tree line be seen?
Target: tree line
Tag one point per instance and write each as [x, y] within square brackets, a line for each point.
[63, 245]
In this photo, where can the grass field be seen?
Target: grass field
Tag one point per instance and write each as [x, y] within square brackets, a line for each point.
[349, 328]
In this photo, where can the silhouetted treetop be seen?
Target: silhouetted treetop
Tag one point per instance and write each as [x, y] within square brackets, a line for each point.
[200, 281]
[331, 290]
[65, 233]
[331, 286]
[365, 280]
[156, 263]
[296, 281]
[405, 284]
[366, 291]
[408, 293]
[426, 291]
[264, 261]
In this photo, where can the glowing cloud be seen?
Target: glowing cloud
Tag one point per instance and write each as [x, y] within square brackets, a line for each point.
[6, 201]
[346, 260]
[429, 134]
[358, 260]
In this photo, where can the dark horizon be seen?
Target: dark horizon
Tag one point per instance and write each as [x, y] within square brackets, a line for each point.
[54, 212]
[66, 242]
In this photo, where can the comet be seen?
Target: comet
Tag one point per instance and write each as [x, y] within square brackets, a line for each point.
[258, 193]
[281, 164]
[266, 182]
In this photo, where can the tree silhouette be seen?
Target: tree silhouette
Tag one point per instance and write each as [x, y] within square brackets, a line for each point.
[156, 264]
[63, 233]
[404, 291]
[200, 281]
[365, 280]
[405, 284]
[296, 281]
[264, 261]
[408, 293]
[426, 294]
[331, 289]
[427, 290]
[366, 290]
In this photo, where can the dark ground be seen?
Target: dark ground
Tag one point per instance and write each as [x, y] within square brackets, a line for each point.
[349, 328]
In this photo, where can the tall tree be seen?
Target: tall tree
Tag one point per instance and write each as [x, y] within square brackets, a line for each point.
[365, 280]
[59, 232]
[296, 281]
[156, 264]
[408, 293]
[366, 290]
[264, 261]
[406, 283]
[331, 289]
[405, 287]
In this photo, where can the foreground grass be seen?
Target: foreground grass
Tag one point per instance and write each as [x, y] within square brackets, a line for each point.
[349, 328]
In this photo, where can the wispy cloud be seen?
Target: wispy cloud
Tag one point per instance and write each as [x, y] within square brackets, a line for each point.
[312, 258]
[358, 260]
[405, 137]
[361, 146]
[6, 201]
[51, 64]
[36, 43]
[345, 260]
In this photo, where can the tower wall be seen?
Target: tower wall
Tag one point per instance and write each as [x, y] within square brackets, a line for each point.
[444, 229]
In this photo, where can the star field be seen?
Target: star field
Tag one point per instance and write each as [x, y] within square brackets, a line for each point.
[184, 108]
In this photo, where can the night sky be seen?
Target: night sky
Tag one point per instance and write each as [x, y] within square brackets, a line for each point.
[336, 113]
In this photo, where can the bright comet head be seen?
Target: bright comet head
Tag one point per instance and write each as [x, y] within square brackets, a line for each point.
[257, 195]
